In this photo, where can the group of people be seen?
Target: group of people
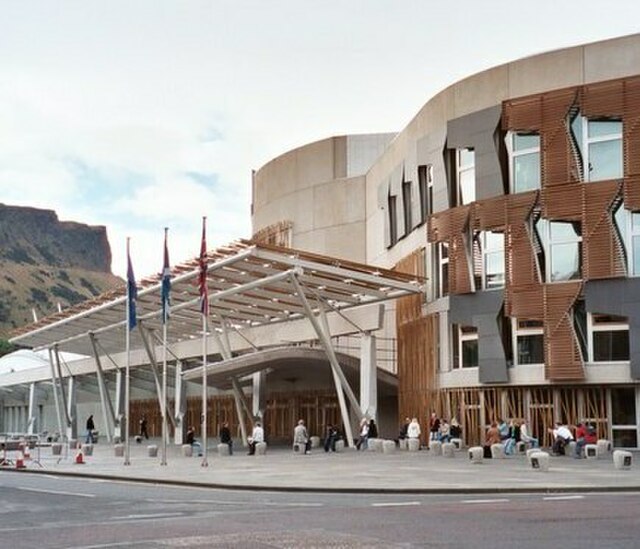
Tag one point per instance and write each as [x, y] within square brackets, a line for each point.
[508, 434]
[439, 429]
[368, 429]
[585, 433]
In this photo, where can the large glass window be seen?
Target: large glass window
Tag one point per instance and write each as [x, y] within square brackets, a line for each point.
[465, 176]
[529, 341]
[406, 206]
[609, 338]
[623, 421]
[465, 346]
[425, 183]
[562, 241]
[441, 269]
[599, 147]
[492, 250]
[524, 149]
[393, 220]
[628, 225]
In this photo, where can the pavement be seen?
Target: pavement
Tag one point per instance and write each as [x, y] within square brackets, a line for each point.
[345, 472]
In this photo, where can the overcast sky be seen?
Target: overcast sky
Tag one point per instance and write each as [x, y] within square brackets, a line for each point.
[143, 114]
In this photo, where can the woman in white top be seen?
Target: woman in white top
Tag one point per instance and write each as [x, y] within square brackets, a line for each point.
[413, 431]
[363, 441]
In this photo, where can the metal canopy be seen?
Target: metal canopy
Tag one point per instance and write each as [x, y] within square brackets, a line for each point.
[250, 284]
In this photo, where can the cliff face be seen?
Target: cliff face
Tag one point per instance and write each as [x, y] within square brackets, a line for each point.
[45, 262]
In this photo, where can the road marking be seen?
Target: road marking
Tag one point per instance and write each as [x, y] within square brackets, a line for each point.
[57, 492]
[146, 516]
[485, 501]
[559, 498]
[395, 504]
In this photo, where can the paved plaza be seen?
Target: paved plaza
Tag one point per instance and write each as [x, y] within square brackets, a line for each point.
[348, 471]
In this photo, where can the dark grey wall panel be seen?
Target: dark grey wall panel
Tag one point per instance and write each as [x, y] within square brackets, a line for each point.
[618, 297]
[479, 131]
[481, 310]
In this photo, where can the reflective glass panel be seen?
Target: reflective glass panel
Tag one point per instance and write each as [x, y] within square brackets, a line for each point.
[562, 231]
[466, 158]
[523, 141]
[605, 160]
[611, 346]
[565, 261]
[494, 269]
[531, 349]
[623, 405]
[470, 353]
[526, 172]
[468, 186]
[636, 255]
[600, 128]
[625, 438]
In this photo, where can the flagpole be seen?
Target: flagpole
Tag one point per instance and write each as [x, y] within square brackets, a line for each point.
[165, 320]
[127, 382]
[204, 309]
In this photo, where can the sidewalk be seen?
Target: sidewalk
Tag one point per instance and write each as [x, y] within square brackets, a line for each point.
[349, 471]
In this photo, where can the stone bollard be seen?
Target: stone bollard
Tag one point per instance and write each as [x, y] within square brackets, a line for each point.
[448, 450]
[375, 445]
[315, 442]
[497, 451]
[530, 452]
[539, 461]
[187, 450]
[435, 447]
[570, 448]
[87, 449]
[261, 448]
[223, 449]
[388, 447]
[604, 448]
[402, 444]
[413, 444]
[591, 451]
[622, 459]
[152, 451]
[476, 454]
[339, 445]
[458, 443]
[521, 448]
[118, 450]
[56, 449]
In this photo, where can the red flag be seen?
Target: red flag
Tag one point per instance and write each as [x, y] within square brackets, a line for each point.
[202, 278]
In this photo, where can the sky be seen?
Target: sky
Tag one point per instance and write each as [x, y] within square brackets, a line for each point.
[150, 114]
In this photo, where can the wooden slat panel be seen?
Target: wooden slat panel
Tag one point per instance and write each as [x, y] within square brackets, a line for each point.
[563, 359]
[527, 302]
[522, 114]
[631, 127]
[409, 308]
[603, 250]
[557, 157]
[603, 99]
[459, 254]
[563, 202]
[490, 214]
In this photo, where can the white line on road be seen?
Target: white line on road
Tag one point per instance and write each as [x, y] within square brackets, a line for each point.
[146, 516]
[57, 492]
[559, 498]
[395, 504]
[485, 501]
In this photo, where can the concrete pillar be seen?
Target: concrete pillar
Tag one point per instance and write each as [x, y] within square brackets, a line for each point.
[72, 409]
[259, 392]
[368, 376]
[180, 409]
[32, 426]
[119, 411]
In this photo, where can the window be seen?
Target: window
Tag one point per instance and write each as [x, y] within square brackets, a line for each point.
[441, 268]
[465, 346]
[529, 341]
[562, 243]
[524, 151]
[628, 226]
[425, 183]
[609, 338]
[465, 176]
[599, 147]
[406, 206]
[393, 220]
[623, 422]
[490, 246]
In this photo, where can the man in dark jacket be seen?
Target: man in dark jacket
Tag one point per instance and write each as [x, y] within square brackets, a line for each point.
[90, 429]
[225, 437]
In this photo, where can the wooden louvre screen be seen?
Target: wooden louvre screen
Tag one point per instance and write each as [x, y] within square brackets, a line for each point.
[562, 202]
[460, 274]
[527, 303]
[603, 99]
[490, 214]
[603, 250]
[410, 308]
[631, 132]
[631, 192]
[523, 114]
[563, 358]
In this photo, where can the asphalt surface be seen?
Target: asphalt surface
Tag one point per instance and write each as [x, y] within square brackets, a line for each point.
[360, 472]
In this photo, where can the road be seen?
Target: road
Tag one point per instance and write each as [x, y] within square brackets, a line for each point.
[45, 511]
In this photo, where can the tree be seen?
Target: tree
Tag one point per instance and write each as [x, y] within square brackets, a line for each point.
[6, 347]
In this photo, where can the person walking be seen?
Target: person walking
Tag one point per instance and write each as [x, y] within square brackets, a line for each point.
[363, 441]
[90, 429]
[301, 437]
[143, 428]
[225, 437]
[434, 426]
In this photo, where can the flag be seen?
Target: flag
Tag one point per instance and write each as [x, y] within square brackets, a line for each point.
[132, 292]
[202, 279]
[166, 281]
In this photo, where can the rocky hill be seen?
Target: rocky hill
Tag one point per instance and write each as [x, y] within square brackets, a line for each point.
[45, 262]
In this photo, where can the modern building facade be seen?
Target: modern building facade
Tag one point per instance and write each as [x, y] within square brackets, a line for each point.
[516, 192]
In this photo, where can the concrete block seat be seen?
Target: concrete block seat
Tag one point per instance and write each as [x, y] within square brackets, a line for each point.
[448, 450]
[339, 445]
[118, 450]
[435, 447]
[375, 445]
[476, 454]
[521, 448]
[458, 443]
[591, 451]
[388, 447]
[152, 450]
[497, 451]
[315, 442]
[622, 460]
[56, 448]
[223, 449]
[187, 450]
[570, 448]
[539, 461]
[402, 444]
[261, 448]
[413, 444]
[87, 449]
[603, 448]
[530, 452]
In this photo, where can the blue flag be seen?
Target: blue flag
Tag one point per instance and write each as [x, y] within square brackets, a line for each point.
[132, 293]
[166, 282]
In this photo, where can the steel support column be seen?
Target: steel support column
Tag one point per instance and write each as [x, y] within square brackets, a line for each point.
[54, 381]
[72, 409]
[180, 405]
[368, 375]
[105, 400]
[32, 425]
